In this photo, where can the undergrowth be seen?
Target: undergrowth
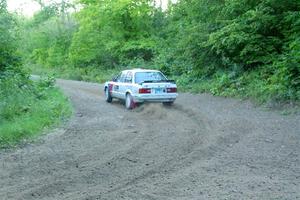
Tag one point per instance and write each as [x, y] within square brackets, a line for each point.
[254, 85]
[28, 107]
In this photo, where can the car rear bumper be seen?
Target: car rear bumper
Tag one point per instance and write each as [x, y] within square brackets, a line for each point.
[155, 98]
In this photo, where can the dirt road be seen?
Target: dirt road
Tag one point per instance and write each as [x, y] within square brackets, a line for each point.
[203, 147]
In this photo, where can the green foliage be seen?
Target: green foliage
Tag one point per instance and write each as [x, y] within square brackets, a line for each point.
[47, 37]
[8, 53]
[244, 48]
[253, 35]
[44, 15]
[27, 107]
[113, 33]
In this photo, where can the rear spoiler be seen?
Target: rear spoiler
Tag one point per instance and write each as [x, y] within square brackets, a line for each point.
[162, 81]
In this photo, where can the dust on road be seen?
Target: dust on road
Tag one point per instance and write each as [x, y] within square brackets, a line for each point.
[203, 147]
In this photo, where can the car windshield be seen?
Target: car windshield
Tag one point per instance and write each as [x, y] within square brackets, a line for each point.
[149, 76]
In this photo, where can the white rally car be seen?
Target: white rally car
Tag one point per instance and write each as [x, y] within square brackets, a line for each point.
[141, 85]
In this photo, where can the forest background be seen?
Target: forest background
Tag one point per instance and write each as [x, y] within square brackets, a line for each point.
[244, 48]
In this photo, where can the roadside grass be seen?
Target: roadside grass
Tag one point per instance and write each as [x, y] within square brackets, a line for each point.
[27, 108]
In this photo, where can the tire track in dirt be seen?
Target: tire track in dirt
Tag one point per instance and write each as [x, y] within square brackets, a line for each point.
[203, 147]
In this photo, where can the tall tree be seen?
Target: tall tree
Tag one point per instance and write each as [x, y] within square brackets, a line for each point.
[8, 55]
[113, 32]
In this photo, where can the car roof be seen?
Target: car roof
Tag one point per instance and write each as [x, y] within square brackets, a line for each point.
[140, 70]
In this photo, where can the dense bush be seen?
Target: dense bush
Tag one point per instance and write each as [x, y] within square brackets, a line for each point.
[27, 107]
[8, 54]
[241, 47]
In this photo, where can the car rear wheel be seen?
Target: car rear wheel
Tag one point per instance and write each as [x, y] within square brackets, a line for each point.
[129, 103]
[108, 97]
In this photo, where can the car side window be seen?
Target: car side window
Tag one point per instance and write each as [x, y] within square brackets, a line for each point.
[122, 77]
[128, 78]
[116, 78]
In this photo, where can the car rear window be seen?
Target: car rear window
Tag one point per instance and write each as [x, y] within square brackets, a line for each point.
[149, 76]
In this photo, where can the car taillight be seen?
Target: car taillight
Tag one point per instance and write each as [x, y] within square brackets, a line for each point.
[144, 90]
[171, 90]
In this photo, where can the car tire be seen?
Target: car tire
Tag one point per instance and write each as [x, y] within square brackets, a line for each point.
[168, 103]
[108, 97]
[129, 103]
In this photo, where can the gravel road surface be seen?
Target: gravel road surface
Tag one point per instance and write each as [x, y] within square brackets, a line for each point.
[203, 147]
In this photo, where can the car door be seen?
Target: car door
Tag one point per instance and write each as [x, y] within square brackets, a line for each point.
[118, 85]
[126, 85]
[114, 85]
